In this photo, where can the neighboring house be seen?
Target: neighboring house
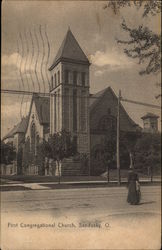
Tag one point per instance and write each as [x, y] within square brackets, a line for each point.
[16, 136]
[150, 123]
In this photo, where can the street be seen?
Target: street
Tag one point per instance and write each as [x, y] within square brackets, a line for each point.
[93, 214]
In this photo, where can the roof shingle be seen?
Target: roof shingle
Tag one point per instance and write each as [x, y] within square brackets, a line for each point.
[71, 50]
[43, 108]
[19, 128]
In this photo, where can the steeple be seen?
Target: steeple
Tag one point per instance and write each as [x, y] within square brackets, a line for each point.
[69, 93]
[70, 51]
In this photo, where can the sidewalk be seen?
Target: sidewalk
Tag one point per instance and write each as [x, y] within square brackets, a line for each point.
[71, 184]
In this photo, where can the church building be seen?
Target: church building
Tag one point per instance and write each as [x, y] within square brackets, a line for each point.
[71, 107]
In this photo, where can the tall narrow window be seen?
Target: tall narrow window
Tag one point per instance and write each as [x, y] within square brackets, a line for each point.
[75, 143]
[66, 76]
[66, 110]
[74, 110]
[83, 78]
[52, 82]
[75, 78]
[58, 77]
[55, 80]
[37, 144]
[55, 112]
[32, 133]
[58, 110]
[83, 111]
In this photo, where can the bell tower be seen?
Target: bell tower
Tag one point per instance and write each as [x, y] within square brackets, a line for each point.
[69, 93]
[150, 123]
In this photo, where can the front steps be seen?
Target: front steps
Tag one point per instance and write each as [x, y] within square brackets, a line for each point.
[71, 167]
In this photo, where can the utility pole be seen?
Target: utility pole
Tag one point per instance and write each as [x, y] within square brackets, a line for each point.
[118, 139]
[131, 160]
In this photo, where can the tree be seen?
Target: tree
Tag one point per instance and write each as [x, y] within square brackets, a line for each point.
[147, 153]
[19, 160]
[152, 7]
[27, 156]
[128, 142]
[43, 151]
[8, 153]
[144, 44]
[62, 146]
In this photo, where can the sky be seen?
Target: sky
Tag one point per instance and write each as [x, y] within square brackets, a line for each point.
[95, 28]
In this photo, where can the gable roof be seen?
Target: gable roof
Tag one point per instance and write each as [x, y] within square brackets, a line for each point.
[19, 128]
[42, 105]
[70, 50]
[96, 98]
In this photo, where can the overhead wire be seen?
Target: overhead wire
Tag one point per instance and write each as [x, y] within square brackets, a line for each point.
[140, 103]
[84, 97]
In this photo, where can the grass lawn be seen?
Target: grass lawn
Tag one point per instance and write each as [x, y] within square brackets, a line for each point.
[14, 188]
[36, 178]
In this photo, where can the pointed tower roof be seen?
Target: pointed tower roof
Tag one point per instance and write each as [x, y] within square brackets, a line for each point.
[70, 51]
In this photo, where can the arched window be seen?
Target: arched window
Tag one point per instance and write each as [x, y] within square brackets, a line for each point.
[37, 144]
[107, 122]
[97, 152]
[32, 132]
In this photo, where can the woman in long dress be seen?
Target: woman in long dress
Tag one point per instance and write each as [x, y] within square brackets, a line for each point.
[133, 188]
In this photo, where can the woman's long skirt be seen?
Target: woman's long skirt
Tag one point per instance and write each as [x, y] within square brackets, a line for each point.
[133, 195]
